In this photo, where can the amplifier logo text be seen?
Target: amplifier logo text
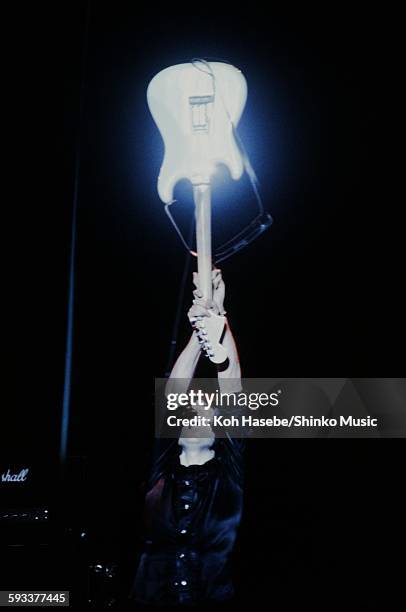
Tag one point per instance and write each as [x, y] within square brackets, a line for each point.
[10, 477]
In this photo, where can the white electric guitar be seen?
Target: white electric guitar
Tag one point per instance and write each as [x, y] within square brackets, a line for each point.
[196, 107]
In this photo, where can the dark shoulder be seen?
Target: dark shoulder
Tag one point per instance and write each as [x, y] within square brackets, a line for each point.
[165, 453]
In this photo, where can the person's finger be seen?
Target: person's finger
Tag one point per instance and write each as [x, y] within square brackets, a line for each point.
[203, 303]
[198, 311]
[196, 280]
[216, 309]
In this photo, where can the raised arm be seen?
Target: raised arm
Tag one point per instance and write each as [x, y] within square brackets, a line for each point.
[231, 368]
[229, 373]
[185, 365]
[187, 361]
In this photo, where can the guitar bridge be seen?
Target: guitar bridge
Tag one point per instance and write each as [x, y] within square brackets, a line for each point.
[200, 115]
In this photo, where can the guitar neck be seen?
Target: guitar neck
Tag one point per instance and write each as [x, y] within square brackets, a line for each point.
[201, 194]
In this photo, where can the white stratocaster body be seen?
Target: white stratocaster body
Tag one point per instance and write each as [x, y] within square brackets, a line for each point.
[193, 112]
[196, 107]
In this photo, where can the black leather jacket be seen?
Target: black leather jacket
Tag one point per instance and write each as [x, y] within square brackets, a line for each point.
[191, 519]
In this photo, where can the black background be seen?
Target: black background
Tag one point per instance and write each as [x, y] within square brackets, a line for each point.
[319, 294]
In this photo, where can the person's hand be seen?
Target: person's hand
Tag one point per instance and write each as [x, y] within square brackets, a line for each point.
[199, 309]
[202, 308]
[217, 304]
[219, 290]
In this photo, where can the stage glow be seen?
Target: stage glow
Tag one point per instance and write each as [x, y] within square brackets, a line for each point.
[197, 107]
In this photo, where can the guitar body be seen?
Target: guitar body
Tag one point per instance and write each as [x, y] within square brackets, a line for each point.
[194, 113]
[196, 107]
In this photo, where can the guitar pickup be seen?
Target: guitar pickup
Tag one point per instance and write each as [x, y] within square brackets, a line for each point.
[200, 118]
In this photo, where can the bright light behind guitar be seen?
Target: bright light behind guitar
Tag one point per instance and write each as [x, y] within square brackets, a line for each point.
[195, 107]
